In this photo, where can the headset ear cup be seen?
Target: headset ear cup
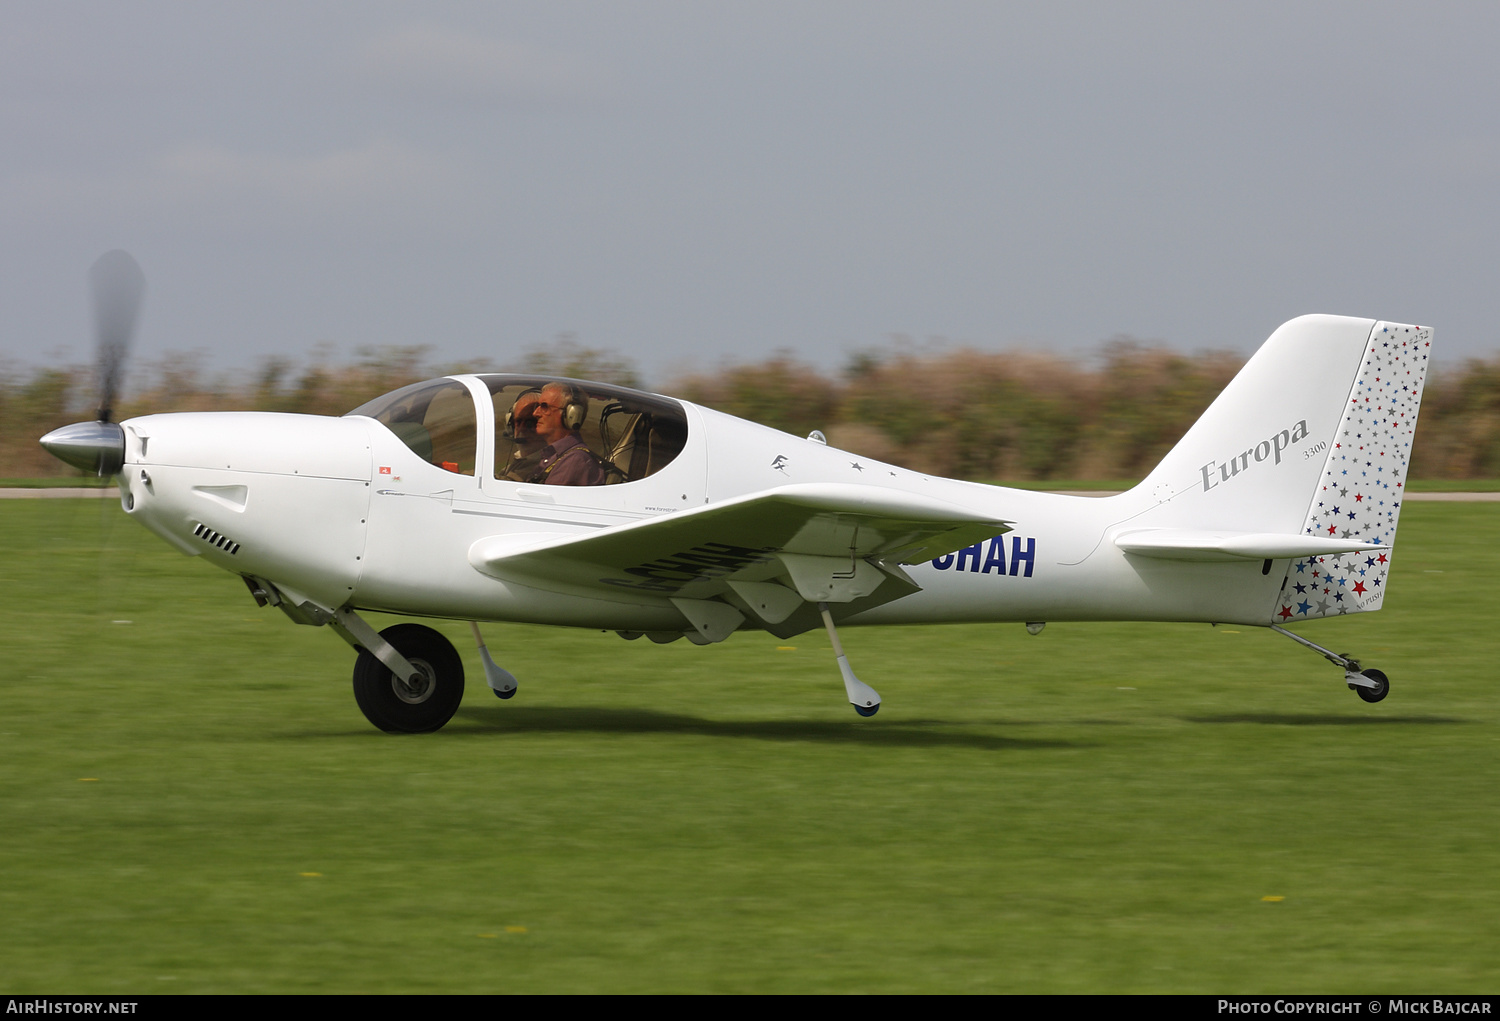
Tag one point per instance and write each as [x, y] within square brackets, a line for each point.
[573, 416]
[510, 416]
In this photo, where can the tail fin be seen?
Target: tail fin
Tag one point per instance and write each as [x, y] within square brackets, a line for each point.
[1312, 437]
[1363, 484]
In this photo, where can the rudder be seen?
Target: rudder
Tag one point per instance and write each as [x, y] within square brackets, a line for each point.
[1363, 481]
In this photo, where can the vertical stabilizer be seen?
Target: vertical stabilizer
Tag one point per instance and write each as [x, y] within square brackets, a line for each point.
[1363, 482]
[1311, 438]
[1254, 459]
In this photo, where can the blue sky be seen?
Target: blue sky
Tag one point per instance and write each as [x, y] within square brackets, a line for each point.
[693, 183]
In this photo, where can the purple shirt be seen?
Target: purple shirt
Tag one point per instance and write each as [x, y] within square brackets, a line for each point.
[568, 463]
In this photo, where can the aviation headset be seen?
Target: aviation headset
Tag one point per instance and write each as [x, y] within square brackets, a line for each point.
[577, 408]
[574, 412]
[510, 416]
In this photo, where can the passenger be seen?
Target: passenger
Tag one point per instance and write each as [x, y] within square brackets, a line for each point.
[565, 461]
[520, 428]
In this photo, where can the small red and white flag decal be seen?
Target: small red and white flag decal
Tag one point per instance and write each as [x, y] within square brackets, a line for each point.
[385, 469]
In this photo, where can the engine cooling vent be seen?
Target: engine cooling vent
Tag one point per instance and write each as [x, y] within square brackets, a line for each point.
[216, 539]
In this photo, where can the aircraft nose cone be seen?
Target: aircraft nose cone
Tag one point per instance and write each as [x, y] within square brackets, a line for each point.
[93, 446]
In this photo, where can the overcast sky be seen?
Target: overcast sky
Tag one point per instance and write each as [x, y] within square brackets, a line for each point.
[694, 182]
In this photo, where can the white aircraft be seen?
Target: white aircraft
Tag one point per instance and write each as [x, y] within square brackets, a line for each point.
[440, 500]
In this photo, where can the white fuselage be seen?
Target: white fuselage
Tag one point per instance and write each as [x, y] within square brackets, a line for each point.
[339, 511]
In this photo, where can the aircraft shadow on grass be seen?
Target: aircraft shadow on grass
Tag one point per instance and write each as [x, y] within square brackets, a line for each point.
[928, 733]
[1321, 719]
[908, 734]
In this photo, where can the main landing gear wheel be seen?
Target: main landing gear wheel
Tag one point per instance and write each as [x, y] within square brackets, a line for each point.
[398, 708]
[1381, 690]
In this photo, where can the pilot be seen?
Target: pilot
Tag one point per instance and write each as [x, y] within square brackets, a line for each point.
[520, 428]
[565, 461]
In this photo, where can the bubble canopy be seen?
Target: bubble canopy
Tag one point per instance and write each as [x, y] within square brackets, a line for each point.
[626, 435]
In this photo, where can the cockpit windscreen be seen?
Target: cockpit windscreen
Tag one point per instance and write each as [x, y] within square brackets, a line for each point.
[435, 419]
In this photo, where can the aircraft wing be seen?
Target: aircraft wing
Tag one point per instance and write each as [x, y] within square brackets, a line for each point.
[769, 552]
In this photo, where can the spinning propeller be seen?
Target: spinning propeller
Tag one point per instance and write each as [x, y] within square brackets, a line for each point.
[118, 285]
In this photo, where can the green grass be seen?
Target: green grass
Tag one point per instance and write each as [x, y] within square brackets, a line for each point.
[1455, 485]
[77, 480]
[1100, 808]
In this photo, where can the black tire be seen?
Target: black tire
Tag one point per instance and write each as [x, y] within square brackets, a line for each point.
[1381, 690]
[388, 703]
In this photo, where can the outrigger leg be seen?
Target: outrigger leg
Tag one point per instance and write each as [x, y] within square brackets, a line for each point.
[865, 699]
[502, 682]
[1370, 685]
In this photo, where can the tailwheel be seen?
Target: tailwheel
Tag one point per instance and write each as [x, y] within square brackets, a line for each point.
[1370, 685]
[426, 702]
[1381, 690]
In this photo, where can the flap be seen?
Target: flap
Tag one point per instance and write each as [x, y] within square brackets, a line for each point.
[691, 553]
[1228, 546]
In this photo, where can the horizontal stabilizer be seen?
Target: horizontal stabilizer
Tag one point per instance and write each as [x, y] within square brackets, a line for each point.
[1229, 547]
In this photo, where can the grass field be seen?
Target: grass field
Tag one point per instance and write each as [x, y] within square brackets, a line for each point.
[191, 802]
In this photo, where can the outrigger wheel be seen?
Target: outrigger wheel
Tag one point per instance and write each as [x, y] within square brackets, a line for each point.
[397, 707]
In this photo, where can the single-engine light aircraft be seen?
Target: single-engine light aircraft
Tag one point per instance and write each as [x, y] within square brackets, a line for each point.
[515, 497]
